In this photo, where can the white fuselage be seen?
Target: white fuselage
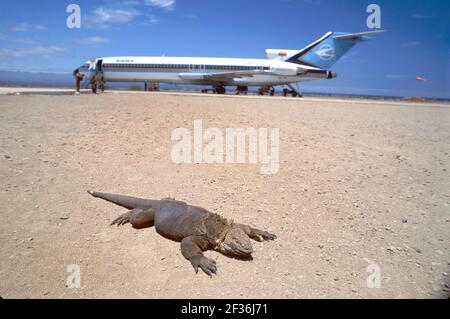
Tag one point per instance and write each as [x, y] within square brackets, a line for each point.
[196, 70]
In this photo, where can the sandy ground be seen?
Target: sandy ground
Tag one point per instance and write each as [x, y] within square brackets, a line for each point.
[359, 184]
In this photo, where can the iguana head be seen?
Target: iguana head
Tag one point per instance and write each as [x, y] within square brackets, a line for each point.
[236, 243]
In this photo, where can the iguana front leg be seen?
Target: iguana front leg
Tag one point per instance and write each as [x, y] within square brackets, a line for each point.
[256, 234]
[139, 218]
[192, 249]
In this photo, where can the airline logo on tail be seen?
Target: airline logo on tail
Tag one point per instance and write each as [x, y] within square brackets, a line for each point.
[326, 52]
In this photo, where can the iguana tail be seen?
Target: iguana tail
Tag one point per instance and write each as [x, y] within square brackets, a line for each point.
[124, 201]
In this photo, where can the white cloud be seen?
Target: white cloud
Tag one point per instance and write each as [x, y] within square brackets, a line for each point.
[125, 12]
[119, 16]
[165, 4]
[32, 41]
[94, 40]
[38, 51]
[149, 21]
[106, 17]
[152, 19]
[40, 27]
[420, 16]
[24, 27]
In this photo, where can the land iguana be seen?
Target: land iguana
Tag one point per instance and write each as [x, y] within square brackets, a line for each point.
[197, 229]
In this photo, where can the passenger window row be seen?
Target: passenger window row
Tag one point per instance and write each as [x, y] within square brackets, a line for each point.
[184, 66]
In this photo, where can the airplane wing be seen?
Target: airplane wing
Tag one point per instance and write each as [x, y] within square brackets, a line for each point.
[220, 76]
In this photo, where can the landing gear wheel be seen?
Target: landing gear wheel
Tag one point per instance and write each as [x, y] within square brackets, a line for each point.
[241, 89]
[219, 89]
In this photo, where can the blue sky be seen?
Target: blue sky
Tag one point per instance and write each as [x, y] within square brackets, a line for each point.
[34, 36]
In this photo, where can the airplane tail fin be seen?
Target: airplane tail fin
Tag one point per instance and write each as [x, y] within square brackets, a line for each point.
[327, 50]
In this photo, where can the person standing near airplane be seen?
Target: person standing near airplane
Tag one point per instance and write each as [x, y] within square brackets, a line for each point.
[78, 77]
[102, 83]
[94, 84]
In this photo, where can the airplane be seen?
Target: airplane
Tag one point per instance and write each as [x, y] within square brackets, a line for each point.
[281, 67]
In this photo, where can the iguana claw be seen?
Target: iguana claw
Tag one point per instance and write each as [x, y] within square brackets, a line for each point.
[261, 235]
[206, 264]
[268, 236]
[122, 219]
